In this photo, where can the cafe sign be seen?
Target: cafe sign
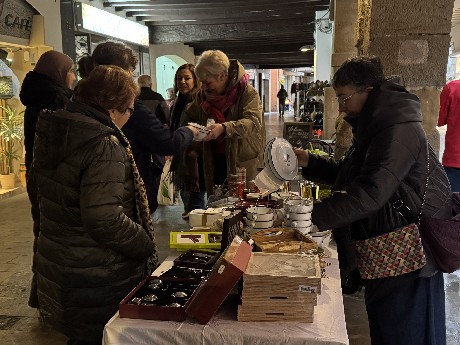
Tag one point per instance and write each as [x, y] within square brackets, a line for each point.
[16, 18]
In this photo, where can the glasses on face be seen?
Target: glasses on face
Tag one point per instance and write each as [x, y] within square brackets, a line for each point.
[130, 111]
[343, 100]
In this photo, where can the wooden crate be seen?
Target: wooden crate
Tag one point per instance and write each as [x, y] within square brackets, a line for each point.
[280, 287]
[279, 240]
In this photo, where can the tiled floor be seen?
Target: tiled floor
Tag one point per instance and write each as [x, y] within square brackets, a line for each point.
[20, 325]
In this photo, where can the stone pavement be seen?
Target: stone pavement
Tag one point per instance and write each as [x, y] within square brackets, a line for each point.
[20, 324]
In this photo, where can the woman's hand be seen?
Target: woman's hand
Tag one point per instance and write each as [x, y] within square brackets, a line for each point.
[194, 130]
[215, 131]
[302, 156]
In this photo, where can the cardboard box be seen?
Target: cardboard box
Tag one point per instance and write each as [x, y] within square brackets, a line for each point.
[184, 240]
[207, 217]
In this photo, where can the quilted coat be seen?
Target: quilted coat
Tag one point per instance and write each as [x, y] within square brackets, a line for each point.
[387, 161]
[245, 131]
[91, 252]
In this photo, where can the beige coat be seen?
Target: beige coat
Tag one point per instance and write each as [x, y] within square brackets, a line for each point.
[245, 132]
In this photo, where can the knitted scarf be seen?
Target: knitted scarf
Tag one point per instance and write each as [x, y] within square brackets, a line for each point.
[218, 105]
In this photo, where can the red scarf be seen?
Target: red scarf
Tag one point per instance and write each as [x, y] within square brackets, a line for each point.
[218, 105]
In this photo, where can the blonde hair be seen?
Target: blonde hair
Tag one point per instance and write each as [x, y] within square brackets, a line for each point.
[211, 63]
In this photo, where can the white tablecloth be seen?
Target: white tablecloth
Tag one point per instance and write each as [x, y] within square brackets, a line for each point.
[328, 326]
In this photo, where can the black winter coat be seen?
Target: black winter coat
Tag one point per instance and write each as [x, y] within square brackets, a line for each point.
[147, 137]
[387, 160]
[39, 92]
[91, 250]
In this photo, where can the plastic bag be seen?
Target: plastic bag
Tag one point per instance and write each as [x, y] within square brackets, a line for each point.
[166, 190]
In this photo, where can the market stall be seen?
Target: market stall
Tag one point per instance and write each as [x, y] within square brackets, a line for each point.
[328, 326]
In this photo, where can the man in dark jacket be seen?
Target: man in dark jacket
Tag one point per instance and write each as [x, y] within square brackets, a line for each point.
[153, 100]
[148, 137]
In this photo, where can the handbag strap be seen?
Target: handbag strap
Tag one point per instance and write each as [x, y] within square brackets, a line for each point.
[401, 207]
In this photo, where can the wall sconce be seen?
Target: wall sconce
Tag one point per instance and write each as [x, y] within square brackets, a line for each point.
[10, 56]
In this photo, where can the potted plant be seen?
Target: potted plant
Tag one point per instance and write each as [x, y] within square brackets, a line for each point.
[11, 135]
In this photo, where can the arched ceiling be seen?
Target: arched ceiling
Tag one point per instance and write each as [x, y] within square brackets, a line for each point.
[266, 33]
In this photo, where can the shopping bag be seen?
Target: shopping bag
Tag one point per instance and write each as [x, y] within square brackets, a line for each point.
[166, 190]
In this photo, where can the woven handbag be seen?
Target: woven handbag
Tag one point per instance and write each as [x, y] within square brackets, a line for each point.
[391, 254]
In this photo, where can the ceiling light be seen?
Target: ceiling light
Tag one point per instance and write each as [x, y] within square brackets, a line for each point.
[307, 48]
[183, 20]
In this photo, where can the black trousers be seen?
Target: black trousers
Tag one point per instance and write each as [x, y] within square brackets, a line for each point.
[406, 310]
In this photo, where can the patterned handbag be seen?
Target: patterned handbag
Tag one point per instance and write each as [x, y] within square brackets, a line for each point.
[391, 254]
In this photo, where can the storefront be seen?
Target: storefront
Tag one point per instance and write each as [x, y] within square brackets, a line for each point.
[22, 41]
[95, 25]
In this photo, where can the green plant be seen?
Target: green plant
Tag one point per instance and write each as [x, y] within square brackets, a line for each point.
[11, 133]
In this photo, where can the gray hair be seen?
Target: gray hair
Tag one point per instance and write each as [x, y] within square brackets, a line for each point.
[211, 63]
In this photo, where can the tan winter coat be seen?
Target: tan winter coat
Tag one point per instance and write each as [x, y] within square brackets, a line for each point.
[245, 131]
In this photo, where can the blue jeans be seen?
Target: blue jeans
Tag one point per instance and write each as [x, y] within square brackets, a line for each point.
[193, 200]
[454, 178]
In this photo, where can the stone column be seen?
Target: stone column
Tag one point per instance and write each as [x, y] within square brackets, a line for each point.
[412, 39]
[343, 47]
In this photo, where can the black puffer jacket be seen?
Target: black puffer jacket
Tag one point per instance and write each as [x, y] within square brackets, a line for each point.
[39, 92]
[388, 157]
[91, 252]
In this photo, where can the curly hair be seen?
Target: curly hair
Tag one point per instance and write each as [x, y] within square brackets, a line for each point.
[191, 68]
[360, 72]
[107, 87]
[108, 53]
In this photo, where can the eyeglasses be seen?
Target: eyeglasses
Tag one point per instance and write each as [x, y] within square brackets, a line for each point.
[343, 100]
[130, 111]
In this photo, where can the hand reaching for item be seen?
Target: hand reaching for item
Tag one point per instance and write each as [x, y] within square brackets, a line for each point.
[302, 156]
[215, 131]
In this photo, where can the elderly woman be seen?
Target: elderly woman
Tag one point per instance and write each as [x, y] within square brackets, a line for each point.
[237, 137]
[95, 231]
[380, 187]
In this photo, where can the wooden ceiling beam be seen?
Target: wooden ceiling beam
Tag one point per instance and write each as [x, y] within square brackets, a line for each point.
[240, 31]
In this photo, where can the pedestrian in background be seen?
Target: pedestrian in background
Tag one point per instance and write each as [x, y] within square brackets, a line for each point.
[96, 233]
[48, 87]
[237, 136]
[282, 95]
[153, 100]
[449, 114]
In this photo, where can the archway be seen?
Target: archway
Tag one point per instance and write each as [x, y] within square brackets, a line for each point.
[166, 67]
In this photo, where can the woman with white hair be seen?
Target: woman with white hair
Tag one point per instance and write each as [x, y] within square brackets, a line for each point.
[237, 136]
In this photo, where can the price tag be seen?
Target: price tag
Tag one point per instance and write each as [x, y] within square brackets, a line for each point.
[308, 289]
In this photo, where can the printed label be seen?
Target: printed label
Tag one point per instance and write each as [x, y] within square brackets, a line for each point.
[309, 289]
[190, 238]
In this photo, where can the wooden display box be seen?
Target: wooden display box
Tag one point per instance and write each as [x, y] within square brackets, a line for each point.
[202, 259]
[280, 287]
[130, 310]
[208, 296]
[279, 240]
